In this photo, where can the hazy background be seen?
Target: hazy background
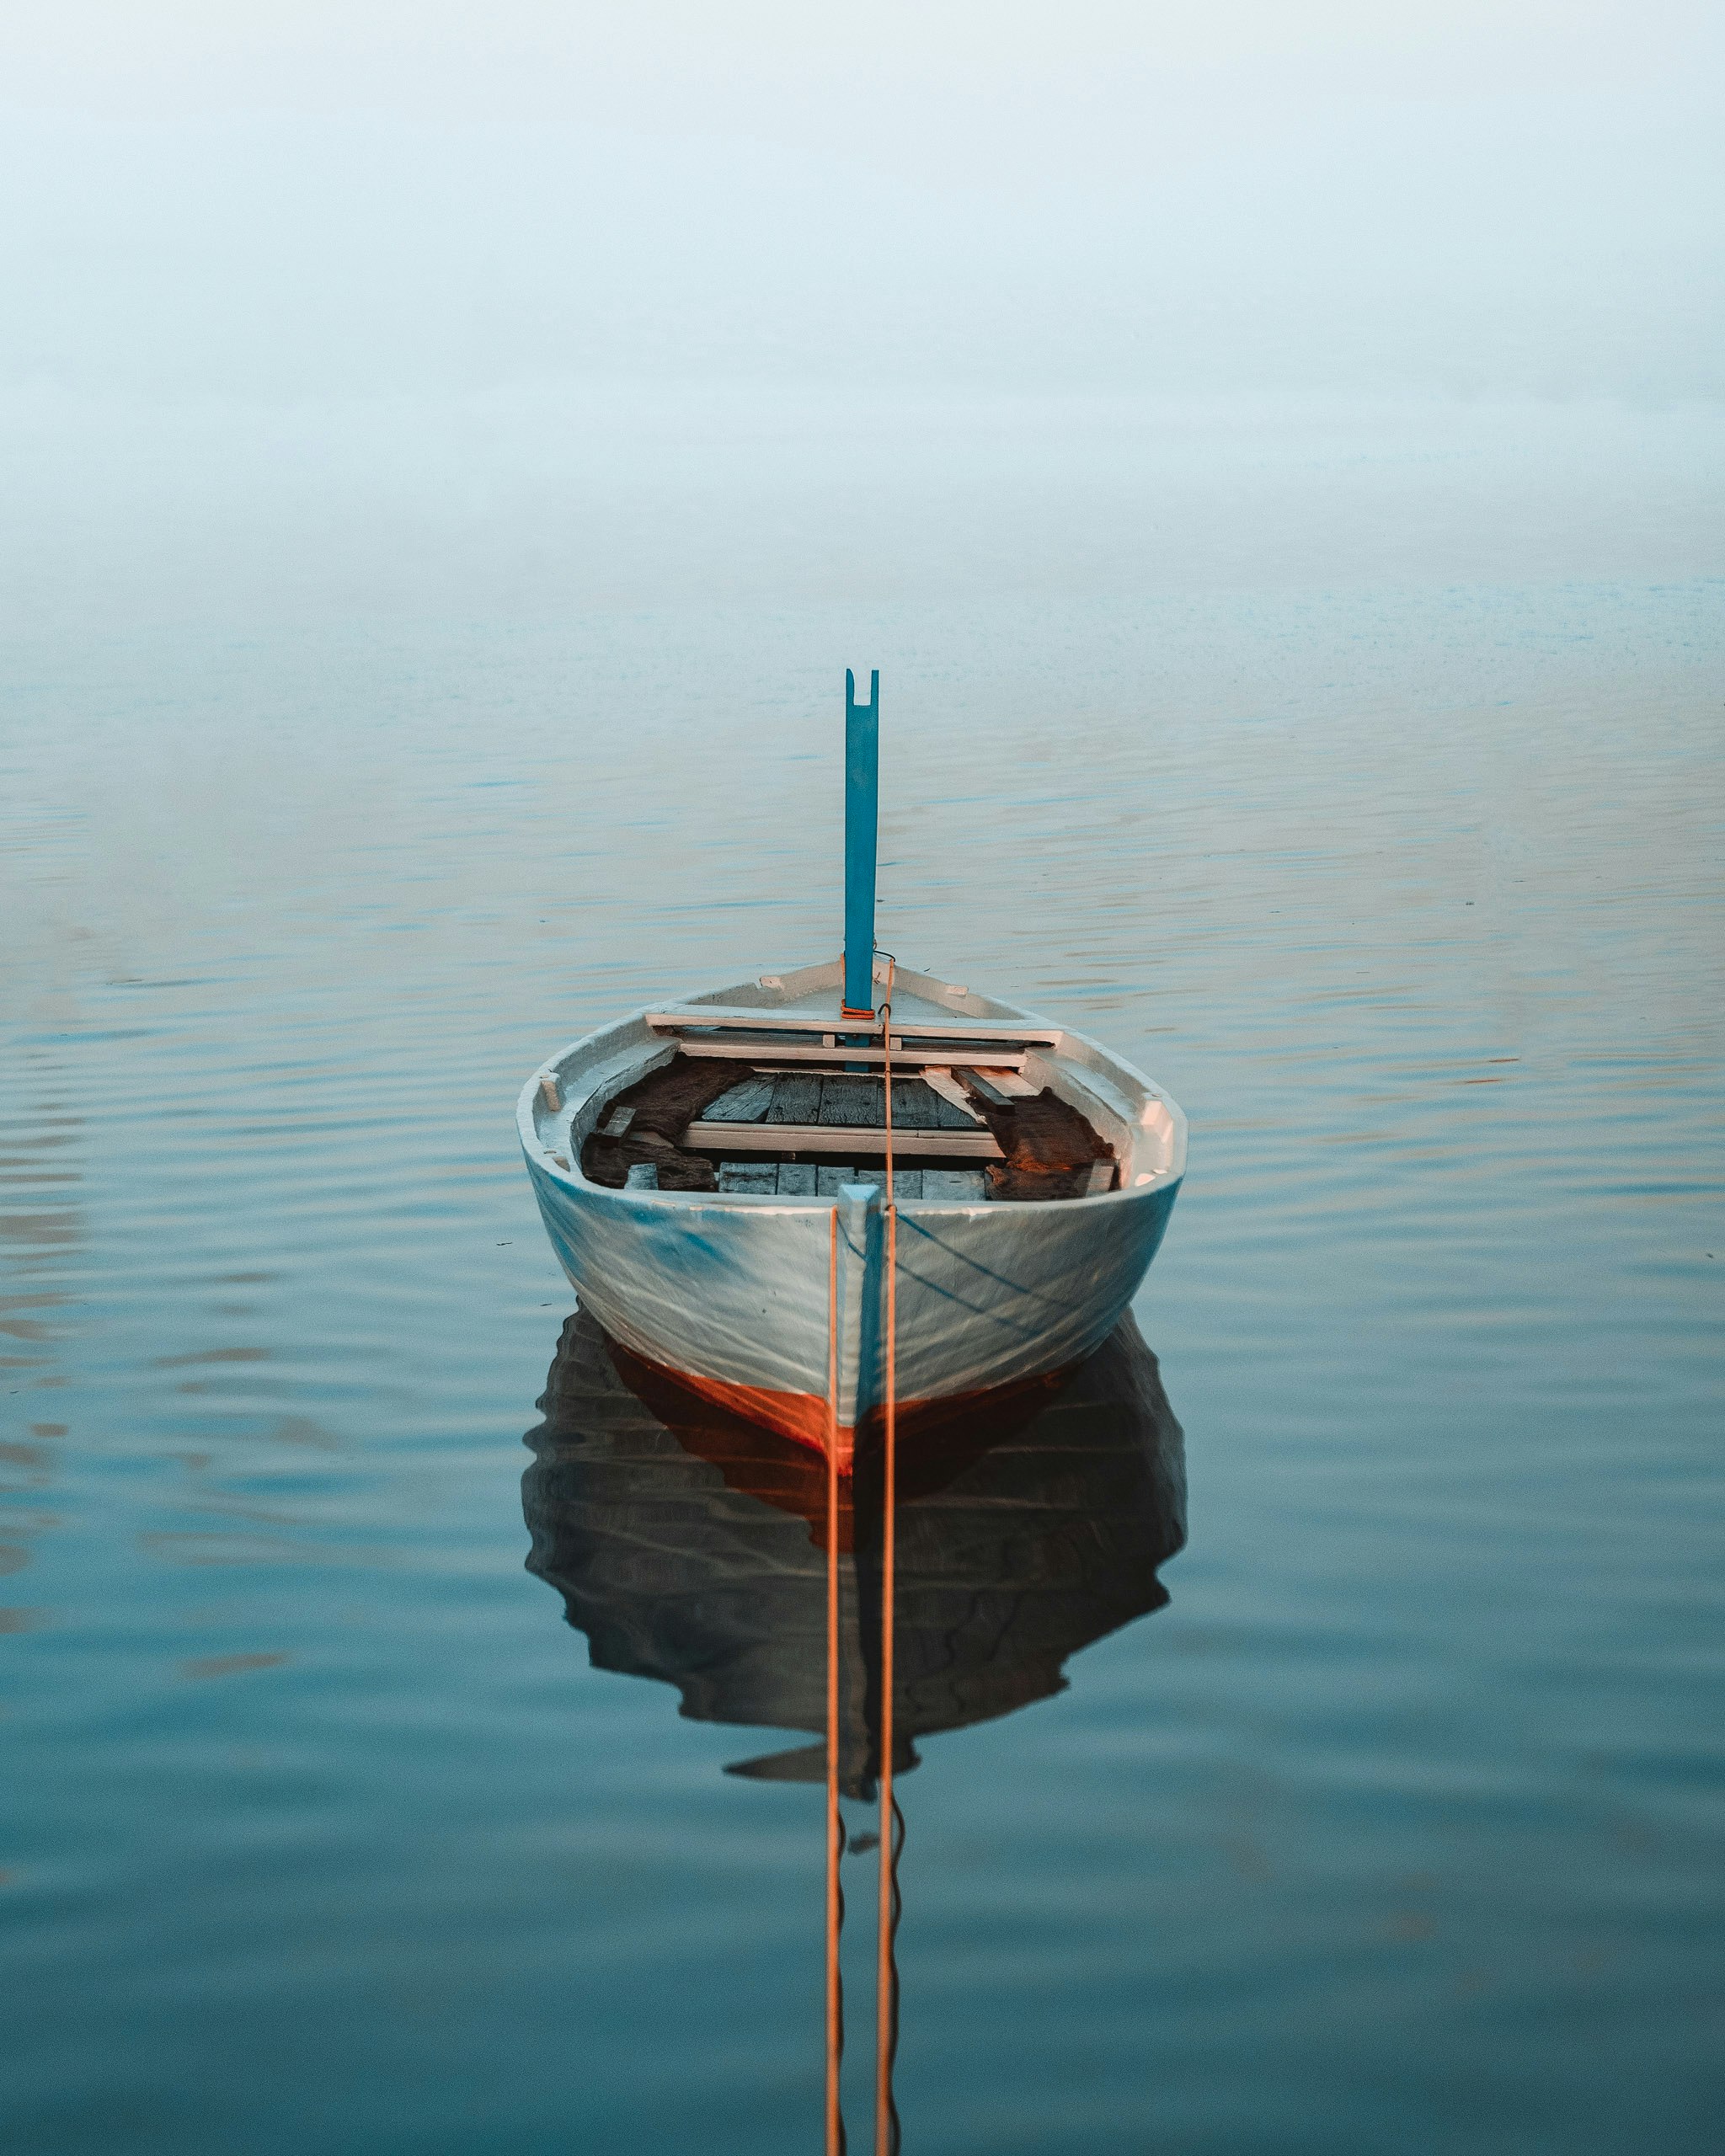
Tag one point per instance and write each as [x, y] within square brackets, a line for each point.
[534, 305]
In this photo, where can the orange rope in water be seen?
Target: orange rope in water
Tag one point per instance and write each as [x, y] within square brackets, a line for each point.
[886, 1999]
[834, 1823]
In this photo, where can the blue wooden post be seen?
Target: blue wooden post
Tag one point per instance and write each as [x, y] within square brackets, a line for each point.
[862, 821]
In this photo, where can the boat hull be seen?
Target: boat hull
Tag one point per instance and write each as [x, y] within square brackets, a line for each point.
[734, 1300]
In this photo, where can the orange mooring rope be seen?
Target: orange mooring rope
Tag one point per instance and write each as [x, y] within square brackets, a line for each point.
[886, 2117]
[834, 1823]
[886, 1988]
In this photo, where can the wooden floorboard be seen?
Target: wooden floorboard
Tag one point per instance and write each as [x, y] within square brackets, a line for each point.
[747, 1101]
[796, 1098]
[855, 1102]
[844, 1139]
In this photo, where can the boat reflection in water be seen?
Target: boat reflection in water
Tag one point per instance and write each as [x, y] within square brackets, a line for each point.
[690, 1546]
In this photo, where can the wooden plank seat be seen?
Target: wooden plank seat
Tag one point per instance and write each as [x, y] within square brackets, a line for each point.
[904, 1056]
[959, 1035]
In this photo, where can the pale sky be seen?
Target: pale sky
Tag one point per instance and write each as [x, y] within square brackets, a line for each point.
[289, 201]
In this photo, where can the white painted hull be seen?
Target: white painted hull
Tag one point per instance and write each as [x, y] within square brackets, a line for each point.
[730, 1293]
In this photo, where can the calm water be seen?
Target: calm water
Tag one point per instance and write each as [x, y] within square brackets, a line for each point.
[1360, 777]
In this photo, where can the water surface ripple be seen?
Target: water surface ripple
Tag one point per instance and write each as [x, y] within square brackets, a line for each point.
[1398, 1825]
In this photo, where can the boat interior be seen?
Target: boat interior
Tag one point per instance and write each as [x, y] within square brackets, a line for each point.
[702, 1122]
[774, 1089]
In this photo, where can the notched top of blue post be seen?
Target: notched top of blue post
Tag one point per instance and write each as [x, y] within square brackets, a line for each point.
[861, 823]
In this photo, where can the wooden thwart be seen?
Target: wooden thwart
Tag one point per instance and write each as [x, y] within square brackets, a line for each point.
[734, 1019]
[770, 1056]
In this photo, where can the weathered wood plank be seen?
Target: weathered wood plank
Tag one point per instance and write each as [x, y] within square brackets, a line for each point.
[952, 1097]
[797, 1179]
[747, 1103]
[982, 1087]
[914, 1106]
[846, 1139]
[796, 1097]
[857, 1102]
[749, 1178]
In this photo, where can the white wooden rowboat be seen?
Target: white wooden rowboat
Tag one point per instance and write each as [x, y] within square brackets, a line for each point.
[726, 1289]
